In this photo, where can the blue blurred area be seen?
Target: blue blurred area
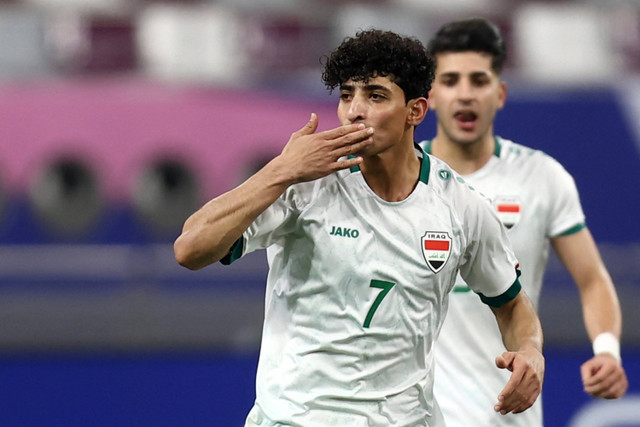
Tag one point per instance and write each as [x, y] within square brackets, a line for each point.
[117, 224]
[130, 390]
[207, 389]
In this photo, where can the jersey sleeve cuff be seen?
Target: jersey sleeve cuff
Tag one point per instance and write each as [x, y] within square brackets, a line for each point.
[572, 230]
[234, 253]
[505, 297]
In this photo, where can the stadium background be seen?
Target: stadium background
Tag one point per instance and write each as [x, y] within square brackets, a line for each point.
[119, 118]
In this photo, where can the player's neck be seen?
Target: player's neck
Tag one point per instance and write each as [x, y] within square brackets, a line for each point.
[393, 174]
[464, 158]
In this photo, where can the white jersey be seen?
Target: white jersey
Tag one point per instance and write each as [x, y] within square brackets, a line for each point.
[536, 199]
[356, 293]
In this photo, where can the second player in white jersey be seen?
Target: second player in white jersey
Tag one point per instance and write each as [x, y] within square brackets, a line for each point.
[536, 199]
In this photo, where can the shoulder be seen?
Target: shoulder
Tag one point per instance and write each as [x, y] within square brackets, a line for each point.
[450, 185]
[303, 194]
[511, 151]
[521, 156]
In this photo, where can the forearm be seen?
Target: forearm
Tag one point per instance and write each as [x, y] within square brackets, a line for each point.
[519, 324]
[210, 232]
[600, 307]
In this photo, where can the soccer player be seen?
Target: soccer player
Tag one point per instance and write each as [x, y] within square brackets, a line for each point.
[537, 200]
[365, 235]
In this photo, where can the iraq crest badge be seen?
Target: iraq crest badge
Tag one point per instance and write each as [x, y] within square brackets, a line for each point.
[508, 209]
[436, 247]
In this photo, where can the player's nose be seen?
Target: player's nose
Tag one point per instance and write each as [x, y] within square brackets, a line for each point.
[357, 110]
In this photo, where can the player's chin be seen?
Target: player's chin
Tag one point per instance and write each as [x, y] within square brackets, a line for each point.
[367, 151]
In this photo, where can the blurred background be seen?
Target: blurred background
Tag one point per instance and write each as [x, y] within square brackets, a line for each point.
[118, 118]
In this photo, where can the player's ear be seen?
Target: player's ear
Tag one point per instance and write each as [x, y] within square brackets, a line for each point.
[431, 99]
[502, 94]
[417, 110]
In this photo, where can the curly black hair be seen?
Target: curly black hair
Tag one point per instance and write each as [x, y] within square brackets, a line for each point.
[471, 35]
[376, 53]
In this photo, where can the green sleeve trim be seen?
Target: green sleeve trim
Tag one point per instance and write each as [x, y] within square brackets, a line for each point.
[234, 253]
[507, 296]
[573, 229]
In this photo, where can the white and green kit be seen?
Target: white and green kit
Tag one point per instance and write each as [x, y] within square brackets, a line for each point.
[536, 199]
[357, 291]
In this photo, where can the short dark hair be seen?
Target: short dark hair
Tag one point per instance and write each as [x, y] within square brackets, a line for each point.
[471, 35]
[376, 53]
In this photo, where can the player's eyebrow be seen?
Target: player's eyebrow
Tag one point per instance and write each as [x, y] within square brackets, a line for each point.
[374, 87]
[474, 74]
[367, 87]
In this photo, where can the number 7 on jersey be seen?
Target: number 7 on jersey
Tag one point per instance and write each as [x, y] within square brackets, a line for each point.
[385, 288]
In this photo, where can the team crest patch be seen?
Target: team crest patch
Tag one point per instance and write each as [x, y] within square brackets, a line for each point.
[508, 209]
[436, 247]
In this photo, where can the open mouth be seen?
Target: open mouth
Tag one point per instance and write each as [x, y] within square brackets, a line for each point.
[466, 119]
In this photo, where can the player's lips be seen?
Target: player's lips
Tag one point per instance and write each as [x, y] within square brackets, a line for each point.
[466, 119]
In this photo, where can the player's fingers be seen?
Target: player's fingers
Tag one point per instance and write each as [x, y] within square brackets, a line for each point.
[353, 148]
[619, 389]
[597, 373]
[344, 133]
[347, 163]
[505, 360]
[352, 138]
[586, 371]
[604, 391]
[506, 397]
[309, 127]
[611, 386]
[598, 389]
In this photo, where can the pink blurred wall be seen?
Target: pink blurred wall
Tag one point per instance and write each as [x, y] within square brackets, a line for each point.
[119, 126]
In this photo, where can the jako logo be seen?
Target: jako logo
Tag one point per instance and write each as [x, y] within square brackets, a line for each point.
[344, 232]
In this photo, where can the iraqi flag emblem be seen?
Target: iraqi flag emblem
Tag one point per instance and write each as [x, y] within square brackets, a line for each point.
[436, 247]
[508, 209]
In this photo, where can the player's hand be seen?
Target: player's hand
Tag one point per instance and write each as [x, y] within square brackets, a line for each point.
[603, 376]
[525, 384]
[309, 155]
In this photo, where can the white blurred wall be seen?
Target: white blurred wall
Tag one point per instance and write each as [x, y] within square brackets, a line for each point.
[240, 42]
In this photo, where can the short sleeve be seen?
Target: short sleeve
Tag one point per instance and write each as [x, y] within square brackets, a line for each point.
[269, 227]
[565, 213]
[489, 265]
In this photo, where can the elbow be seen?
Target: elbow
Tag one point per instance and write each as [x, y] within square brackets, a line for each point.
[187, 262]
[186, 256]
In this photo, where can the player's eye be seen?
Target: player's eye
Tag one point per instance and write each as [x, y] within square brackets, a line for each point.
[449, 80]
[480, 80]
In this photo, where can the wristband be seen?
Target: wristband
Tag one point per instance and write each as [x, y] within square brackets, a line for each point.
[606, 342]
